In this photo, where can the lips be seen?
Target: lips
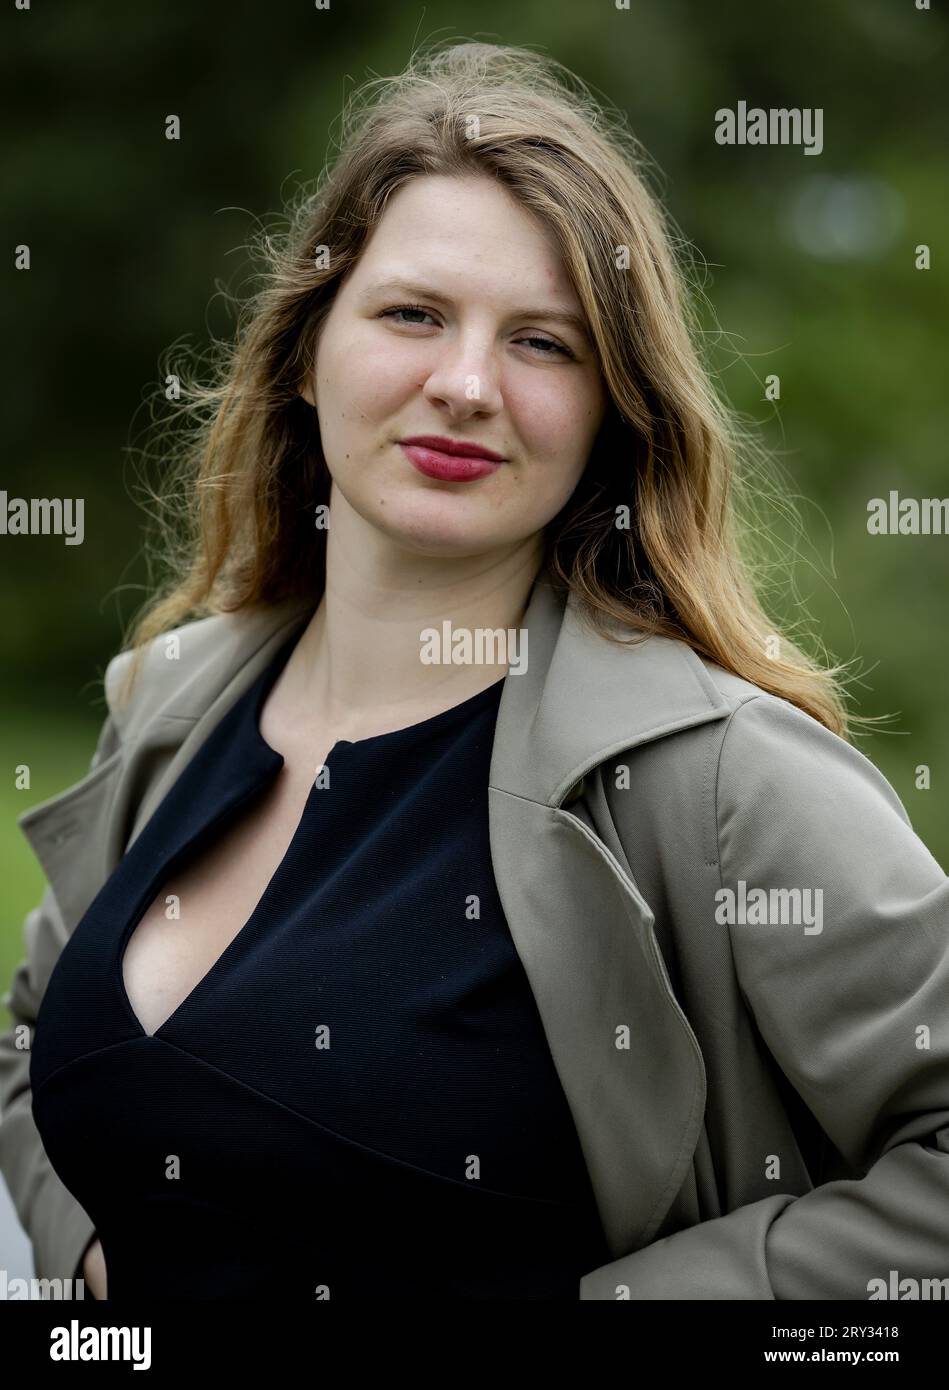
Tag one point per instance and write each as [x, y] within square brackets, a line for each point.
[448, 460]
[457, 448]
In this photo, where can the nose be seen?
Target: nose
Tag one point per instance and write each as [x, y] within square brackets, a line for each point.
[465, 378]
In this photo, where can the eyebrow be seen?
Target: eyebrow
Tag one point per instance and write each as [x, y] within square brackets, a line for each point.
[562, 316]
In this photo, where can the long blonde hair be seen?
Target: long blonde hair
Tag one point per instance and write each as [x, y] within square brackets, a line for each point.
[650, 538]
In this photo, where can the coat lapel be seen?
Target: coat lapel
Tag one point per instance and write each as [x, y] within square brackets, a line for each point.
[201, 705]
[627, 1059]
[629, 1063]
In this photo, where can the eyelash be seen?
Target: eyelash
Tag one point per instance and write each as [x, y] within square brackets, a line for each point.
[534, 338]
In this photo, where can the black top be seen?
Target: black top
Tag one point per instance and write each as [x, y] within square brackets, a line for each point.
[357, 1100]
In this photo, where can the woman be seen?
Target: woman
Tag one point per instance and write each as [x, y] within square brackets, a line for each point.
[479, 899]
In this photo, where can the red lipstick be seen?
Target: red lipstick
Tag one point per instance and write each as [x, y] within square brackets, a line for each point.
[451, 460]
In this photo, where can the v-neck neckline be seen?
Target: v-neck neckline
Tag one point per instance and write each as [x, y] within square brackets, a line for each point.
[256, 774]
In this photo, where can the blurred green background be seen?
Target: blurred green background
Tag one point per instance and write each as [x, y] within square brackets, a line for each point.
[810, 275]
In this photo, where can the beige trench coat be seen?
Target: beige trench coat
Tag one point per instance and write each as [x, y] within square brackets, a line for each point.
[763, 1109]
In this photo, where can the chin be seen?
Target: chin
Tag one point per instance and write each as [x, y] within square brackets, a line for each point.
[449, 527]
[430, 541]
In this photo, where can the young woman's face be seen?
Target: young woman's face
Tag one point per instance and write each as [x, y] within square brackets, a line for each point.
[484, 359]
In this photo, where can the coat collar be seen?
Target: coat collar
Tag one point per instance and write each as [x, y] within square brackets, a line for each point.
[583, 699]
[580, 700]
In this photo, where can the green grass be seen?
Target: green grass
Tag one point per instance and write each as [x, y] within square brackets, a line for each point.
[57, 748]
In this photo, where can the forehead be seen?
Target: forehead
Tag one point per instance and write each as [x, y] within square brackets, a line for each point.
[468, 235]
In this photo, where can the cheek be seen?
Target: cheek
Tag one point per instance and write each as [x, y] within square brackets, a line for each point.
[554, 420]
[365, 378]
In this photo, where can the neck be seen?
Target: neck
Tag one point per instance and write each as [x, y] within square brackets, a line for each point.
[358, 668]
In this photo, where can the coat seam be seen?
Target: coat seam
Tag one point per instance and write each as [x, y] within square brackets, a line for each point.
[718, 848]
[518, 796]
[718, 781]
[731, 948]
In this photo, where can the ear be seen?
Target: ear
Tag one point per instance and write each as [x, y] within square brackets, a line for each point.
[306, 391]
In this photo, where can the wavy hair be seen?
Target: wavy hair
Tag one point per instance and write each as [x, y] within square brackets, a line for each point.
[670, 463]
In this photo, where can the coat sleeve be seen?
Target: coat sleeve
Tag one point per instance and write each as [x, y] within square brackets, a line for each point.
[56, 1224]
[856, 1015]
